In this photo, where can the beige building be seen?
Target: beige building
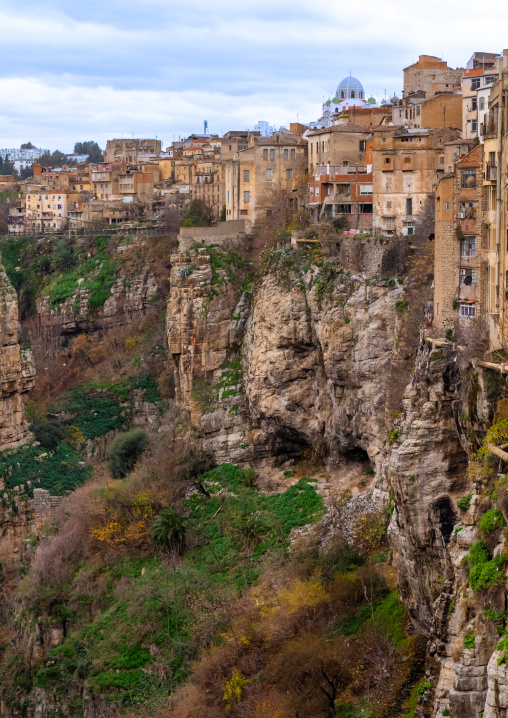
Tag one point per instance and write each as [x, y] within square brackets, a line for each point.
[47, 211]
[441, 110]
[461, 244]
[431, 75]
[208, 185]
[267, 164]
[407, 165]
[476, 83]
[105, 178]
[339, 145]
[129, 150]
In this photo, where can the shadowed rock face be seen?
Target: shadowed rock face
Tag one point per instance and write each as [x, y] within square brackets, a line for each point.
[318, 376]
[17, 370]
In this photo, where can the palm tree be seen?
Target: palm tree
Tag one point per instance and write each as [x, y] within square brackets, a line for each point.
[168, 530]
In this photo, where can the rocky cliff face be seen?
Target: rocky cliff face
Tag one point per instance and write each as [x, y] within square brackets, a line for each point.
[17, 370]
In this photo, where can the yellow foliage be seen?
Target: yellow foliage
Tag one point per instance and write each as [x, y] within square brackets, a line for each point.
[301, 593]
[121, 524]
[131, 343]
[234, 687]
[74, 435]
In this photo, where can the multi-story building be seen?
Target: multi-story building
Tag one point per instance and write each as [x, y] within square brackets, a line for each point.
[208, 185]
[129, 150]
[407, 165]
[444, 109]
[136, 185]
[461, 243]
[47, 211]
[477, 80]
[105, 178]
[342, 191]
[432, 76]
[344, 145]
[266, 166]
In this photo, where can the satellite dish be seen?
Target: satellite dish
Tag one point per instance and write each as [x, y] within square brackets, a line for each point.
[468, 280]
[432, 237]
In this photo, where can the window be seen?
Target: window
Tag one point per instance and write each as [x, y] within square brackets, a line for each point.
[293, 154]
[489, 79]
[475, 83]
[246, 196]
[289, 174]
[418, 110]
[268, 174]
[474, 103]
[473, 125]
[342, 95]
[244, 211]
[492, 159]
[345, 163]
[468, 247]
[246, 175]
[360, 95]
[384, 139]
[482, 103]
[468, 277]
[389, 205]
[272, 154]
[352, 94]
[447, 206]
[228, 195]
[409, 207]
[468, 178]
[365, 189]
[467, 310]
[286, 154]
[265, 154]
[363, 145]
[387, 160]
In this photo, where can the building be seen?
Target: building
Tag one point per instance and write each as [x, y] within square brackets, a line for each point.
[263, 167]
[407, 165]
[208, 184]
[47, 212]
[342, 191]
[129, 150]
[444, 109]
[477, 80]
[461, 243]
[431, 76]
[344, 144]
[105, 178]
[349, 97]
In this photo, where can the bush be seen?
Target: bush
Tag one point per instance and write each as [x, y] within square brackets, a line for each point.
[464, 502]
[124, 451]
[469, 641]
[63, 256]
[491, 521]
[485, 571]
[168, 530]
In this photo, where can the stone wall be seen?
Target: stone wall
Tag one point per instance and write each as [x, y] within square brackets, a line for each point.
[227, 235]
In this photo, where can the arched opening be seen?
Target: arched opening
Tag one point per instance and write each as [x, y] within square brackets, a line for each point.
[445, 516]
[352, 94]
[360, 95]
[342, 95]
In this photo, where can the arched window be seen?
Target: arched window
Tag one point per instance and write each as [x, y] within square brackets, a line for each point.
[352, 94]
[342, 95]
[360, 95]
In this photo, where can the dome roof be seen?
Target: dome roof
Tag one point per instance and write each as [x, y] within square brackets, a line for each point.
[327, 103]
[371, 100]
[350, 87]
[336, 100]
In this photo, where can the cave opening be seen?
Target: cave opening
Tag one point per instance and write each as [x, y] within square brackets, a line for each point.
[357, 454]
[445, 515]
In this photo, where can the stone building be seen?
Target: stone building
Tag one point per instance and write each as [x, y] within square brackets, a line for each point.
[443, 109]
[120, 150]
[338, 191]
[344, 145]
[208, 185]
[431, 76]
[265, 166]
[407, 165]
[105, 178]
[461, 244]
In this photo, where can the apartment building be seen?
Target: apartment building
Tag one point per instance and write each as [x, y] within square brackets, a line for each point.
[267, 164]
[208, 184]
[339, 145]
[461, 243]
[477, 81]
[342, 191]
[120, 150]
[47, 211]
[407, 165]
[105, 177]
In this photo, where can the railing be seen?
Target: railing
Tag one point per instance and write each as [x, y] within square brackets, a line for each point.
[489, 125]
[339, 170]
[491, 172]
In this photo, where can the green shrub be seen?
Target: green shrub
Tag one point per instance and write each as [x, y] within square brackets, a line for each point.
[125, 450]
[436, 356]
[469, 641]
[168, 530]
[464, 502]
[485, 571]
[491, 520]
[393, 436]
[63, 256]
[401, 306]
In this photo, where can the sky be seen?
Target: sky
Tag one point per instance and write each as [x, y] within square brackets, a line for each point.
[75, 71]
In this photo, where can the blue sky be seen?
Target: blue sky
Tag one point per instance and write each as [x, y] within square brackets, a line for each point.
[75, 71]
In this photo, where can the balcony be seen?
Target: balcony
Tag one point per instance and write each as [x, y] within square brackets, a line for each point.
[491, 173]
[489, 126]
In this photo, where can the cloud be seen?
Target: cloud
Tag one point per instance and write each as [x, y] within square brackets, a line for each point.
[90, 70]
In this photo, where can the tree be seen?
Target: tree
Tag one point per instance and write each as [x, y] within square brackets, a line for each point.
[63, 256]
[125, 450]
[199, 214]
[27, 146]
[90, 148]
[168, 530]
[54, 159]
[6, 166]
[26, 172]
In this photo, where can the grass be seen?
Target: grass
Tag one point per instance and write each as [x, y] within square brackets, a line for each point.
[106, 650]
[490, 521]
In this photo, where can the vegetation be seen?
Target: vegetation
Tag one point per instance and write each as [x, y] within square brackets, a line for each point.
[484, 571]
[490, 521]
[125, 450]
[464, 502]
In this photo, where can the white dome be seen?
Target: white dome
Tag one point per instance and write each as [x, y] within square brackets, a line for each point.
[350, 88]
